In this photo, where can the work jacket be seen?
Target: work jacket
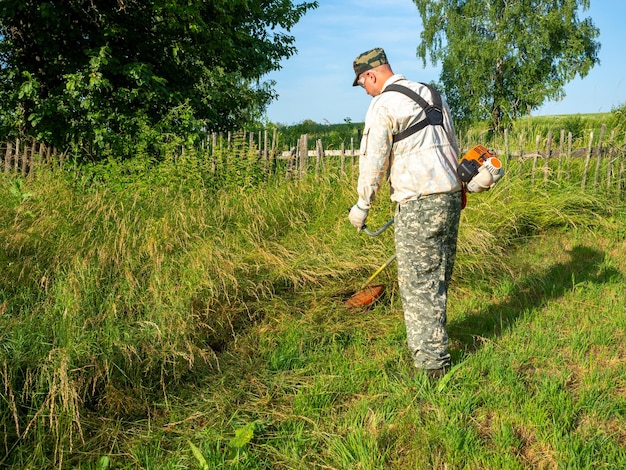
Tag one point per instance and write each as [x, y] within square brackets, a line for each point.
[422, 164]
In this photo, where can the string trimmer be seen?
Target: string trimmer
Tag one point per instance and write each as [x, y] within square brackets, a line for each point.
[368, 294]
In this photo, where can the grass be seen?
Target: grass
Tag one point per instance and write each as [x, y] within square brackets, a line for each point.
[522, 393]
[171, 328]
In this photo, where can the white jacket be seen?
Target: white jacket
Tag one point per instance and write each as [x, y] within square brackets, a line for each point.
[422, 164]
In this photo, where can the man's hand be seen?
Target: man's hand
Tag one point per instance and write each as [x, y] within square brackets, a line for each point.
[357, 217]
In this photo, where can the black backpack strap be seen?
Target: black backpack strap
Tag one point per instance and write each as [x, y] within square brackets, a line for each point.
[434, 114]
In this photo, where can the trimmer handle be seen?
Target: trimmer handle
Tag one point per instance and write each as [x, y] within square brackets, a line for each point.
[380, 230]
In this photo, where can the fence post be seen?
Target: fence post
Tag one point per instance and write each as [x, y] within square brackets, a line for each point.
[274, 152]
[16, 155]
[304, 154]
[587, 158]
[319, 163]
[569, 155]
[23, 157]
[297, 163]
[561, 145]
[599, 156]
[7, 156]
[352, 150]
[343, 158]
[318, 157]
[289, 171]
[535, 157]
[546, 165]
[40, 157]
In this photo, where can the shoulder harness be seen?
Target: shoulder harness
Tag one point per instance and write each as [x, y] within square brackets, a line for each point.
[434, 114]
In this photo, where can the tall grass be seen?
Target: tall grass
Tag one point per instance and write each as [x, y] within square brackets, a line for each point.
[220, 313]
[111, 297]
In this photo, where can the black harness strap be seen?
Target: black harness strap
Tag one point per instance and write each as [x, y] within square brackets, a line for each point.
[434, 115]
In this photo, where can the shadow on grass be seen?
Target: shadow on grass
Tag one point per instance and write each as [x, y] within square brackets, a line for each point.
[585, 265]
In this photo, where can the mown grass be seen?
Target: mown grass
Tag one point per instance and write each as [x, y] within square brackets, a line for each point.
[162, 326]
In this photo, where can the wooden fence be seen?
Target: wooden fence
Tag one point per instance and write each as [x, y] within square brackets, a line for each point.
[602, 159]
[600, 162]
[22, 156]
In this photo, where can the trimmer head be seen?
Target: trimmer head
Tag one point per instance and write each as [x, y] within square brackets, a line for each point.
[366, 296]
[370, 293]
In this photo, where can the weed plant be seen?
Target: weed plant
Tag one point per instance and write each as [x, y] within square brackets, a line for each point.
[156, 320]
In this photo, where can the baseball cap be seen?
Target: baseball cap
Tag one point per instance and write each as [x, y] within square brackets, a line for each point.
[368, 60]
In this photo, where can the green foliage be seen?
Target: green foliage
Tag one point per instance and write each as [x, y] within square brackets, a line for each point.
[332, 135]
[501, 60]
[579, 125]
[234, 164]
[575, 125]
[101, 74]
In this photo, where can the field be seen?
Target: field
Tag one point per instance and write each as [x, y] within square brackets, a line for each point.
[152, 322]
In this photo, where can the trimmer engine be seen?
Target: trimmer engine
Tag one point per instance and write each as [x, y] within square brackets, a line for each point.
[479, 169]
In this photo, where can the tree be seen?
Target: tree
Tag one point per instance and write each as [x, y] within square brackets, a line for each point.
[501, 59]
[107, 72]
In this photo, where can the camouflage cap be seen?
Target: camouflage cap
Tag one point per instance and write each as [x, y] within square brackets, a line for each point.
[368, 60]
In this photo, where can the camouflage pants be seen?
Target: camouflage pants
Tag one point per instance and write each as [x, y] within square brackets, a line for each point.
[426, 233]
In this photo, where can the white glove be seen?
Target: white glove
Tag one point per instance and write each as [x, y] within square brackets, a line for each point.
[357, 217]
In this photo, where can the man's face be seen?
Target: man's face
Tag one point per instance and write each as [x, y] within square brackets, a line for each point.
[367, 80]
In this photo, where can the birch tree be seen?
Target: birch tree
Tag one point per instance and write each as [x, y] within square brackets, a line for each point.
[501, 59]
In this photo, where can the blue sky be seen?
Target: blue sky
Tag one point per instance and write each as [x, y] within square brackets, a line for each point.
[316, 83]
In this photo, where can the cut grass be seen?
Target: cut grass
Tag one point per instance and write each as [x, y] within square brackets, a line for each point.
[533, 392]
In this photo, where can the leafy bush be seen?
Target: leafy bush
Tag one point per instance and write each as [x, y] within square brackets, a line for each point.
[574, 124]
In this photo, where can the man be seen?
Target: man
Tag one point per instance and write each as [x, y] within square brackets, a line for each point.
[422, 173]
